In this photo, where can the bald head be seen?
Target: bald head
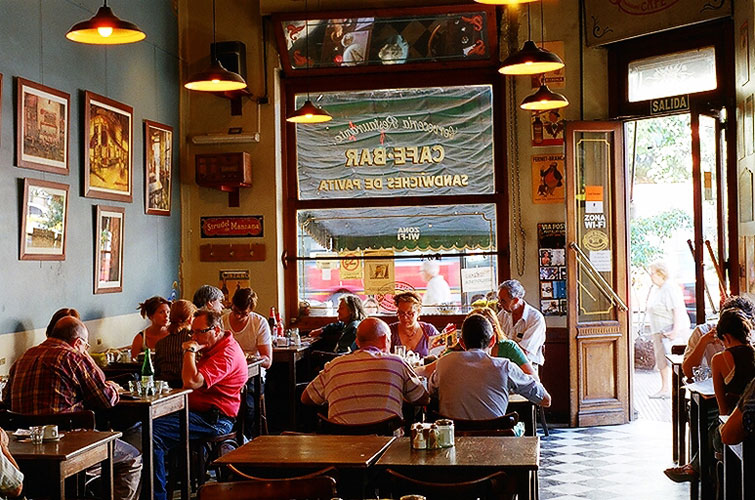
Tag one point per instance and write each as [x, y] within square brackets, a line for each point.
[374, 332]
[69, 329]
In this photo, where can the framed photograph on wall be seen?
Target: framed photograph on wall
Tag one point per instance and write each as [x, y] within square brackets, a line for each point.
[108, 157]
[158, 165]
[42, 131]
[108, 244]
[44, 221]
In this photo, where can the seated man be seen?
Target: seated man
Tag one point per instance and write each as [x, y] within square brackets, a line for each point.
[216, 380]
[11, 479]
[473, 385]
[58, 376]
[210, 297]
[521, 322]
[368, 385]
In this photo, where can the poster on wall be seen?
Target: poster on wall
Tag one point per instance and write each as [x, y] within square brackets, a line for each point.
[42, 135]
[548, 182]
[621, 19]
[44, 222]
[158, 165]
[108, 266]
[230, 281]
[547, 128]
[551, 242]
[554, 79]
[108, 157]
[232, 226]
[351, 265]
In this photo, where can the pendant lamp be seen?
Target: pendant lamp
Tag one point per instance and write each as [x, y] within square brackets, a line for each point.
[105, 29]
[215, 78]
[308, 112]
[544, 99]
[531, 59]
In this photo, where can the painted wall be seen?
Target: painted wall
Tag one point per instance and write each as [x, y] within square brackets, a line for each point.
[144, 76]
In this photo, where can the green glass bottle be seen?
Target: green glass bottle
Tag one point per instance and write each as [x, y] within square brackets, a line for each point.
[148, 373]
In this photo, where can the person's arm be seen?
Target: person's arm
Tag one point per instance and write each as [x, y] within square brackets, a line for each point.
[313, 394]
[190, 374]
[733, 431]
[136, 345]
[527, 386]
[693, 354]
[719, 366]
[414, 391]
[11, 478]
[533, 337]
[97, 392]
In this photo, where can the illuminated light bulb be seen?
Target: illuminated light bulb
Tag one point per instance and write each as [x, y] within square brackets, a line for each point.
[105, 31]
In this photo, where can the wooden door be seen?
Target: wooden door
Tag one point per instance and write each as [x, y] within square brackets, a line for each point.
[597, 262]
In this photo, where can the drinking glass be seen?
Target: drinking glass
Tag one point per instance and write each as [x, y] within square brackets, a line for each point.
[37, 434]
[135, 387]
[400, 350]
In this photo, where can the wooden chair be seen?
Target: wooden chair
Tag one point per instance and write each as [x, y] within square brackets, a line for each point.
[385, 427]
[499, 486]
[314, 486]
[83, 419]
[501, 426]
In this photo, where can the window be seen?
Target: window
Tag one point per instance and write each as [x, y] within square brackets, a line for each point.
[678, 73]
[398, 192]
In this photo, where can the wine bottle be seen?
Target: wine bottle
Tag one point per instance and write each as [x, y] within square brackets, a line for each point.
[148, 373]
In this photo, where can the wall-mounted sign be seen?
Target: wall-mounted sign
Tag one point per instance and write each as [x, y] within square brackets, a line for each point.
[669, 104]
[548, 178]
[234, 226]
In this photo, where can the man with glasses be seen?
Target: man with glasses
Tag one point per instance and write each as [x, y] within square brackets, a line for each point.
[521, 322]
[216, 379]
[59, 376]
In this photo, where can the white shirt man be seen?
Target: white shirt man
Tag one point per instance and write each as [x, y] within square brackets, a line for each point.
[521, 322]
[437, 292]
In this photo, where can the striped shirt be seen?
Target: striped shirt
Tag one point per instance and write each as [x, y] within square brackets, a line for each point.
[366, 386]
[169, 357]
[53, 377]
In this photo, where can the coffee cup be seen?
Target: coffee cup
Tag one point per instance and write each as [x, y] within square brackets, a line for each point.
[50, 432]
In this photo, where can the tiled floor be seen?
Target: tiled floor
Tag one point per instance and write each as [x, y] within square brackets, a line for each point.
[623, 462]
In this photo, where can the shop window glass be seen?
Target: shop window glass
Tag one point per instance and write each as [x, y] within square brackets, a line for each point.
[679, 73]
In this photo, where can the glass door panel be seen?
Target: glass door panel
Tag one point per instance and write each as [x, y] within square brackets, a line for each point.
[710, 212]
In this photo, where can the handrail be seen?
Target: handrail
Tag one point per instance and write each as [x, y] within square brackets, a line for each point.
[596, 277]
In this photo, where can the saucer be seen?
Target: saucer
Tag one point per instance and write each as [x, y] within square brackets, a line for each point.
[53, 440]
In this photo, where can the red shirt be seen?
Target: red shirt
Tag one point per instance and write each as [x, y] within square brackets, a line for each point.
[224, 369]
[54, 377]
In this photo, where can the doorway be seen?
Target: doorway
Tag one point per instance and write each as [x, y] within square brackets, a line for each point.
[677, 231]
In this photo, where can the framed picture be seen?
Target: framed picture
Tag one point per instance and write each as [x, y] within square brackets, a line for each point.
[158, 165]
[108, 265]
[42, 132]
[108, 155]
[44, 221]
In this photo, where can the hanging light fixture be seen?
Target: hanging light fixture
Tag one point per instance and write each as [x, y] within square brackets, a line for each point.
[544, 99]
[215, 78]
[308, 112]
[531, 59]
[105, 29]
[504, 2]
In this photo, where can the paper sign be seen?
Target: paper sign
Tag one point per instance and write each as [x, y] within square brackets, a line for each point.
[601, 260]
[325, 264]
[379, 276]
[593, 193]
[594, 207]
[477, 279]
[351, 266]
[548, 178]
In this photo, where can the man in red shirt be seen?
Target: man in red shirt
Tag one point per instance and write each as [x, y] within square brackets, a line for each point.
[59, 376]
[216, 379]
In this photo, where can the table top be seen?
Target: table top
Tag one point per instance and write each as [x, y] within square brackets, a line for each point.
[308, 450]
[704, 388]
[151, 400]
[71, 444]
[291, 348]
[469, 451]
[518, 398]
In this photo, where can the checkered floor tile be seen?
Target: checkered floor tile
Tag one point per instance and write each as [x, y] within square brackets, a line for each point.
[622, 462]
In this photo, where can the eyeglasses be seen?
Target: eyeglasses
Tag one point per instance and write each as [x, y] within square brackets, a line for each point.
[85, 343]
[205, 330]
[406, 314]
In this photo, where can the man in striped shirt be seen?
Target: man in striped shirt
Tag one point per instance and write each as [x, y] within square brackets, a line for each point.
[369, 384]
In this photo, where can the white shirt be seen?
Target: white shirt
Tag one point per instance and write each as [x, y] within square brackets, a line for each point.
[662, 303]
[255, 333]
[528, 332]
[710, 350]
[437, 292]
[474, 385]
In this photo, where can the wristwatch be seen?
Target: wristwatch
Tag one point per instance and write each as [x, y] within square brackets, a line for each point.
[190, 349]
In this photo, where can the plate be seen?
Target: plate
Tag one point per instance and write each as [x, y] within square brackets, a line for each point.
[21, 433]
[52, 440]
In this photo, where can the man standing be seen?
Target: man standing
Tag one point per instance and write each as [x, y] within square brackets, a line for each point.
[216, 380]
[437, 293]
[521, 322]
[368, 385]
[59, 376]
[473, 385]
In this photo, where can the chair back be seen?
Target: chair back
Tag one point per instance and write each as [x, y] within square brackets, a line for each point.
[315, 488]
[499, 486]
[83, 419]
[500, 426]
[385, 427]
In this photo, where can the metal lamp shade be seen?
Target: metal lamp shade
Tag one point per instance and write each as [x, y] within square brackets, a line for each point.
[215, 79]
[105, 28]
[309, 113]
[544, 99]
[531, 60]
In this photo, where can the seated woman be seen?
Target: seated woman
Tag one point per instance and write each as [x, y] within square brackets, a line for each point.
[341, 335]
[250, 329]
[409, 331]
[733, 368]
[60, 313]
[169, 349]
[157, 310]
[741, 423]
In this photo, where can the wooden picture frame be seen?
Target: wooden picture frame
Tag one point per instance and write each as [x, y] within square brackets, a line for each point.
[44, 220]
[158, 167]
[108, 148]
[108, 254]
[42, 127]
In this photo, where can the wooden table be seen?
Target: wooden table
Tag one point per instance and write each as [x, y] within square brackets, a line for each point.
[478, 455]
[148, 408]
[290, 356]
[527, 413]
[678, 410]
[49, 464]
[702, 403]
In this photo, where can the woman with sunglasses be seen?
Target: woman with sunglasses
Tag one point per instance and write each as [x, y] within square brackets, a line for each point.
[409, 331]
